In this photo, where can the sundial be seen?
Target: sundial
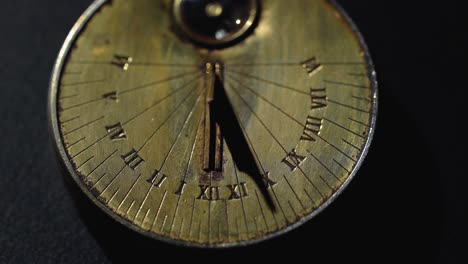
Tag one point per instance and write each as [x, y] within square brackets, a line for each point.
[213, 123]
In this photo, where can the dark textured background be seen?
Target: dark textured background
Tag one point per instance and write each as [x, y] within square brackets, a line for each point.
[406, 204]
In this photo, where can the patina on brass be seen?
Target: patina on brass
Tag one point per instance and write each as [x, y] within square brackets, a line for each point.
[213, 146]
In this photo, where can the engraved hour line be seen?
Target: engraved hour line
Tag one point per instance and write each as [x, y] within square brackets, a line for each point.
[135, 117]
[68, 97]
[243, 74]
[100, 164]
[66, 85]
[263, 212]
[347, 84]
[157, 212]
[227, 219]
[113, 180]
[345, 128]
[258, 160]
[86, 161]
[323, 165]
[82, 126]
[294, 192]
[154, 84]
[348, 106]
[357, 74]
[294, 64]
[359, 122]
[69, 120]
[267, 101]
[169, 117]
[184, 178]
[242, 200]
[113, 195]
[76, 142]
[187, 119]
[310, 197]
[125, 165]
[191, 217]
[362, 98]
[148, 85]
[339, 164]
[349, 143]
[182, 87]
[128, 193]
[300, 124]
[133, 63]
[274, 137]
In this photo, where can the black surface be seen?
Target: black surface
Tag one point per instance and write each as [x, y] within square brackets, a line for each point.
[407, 203]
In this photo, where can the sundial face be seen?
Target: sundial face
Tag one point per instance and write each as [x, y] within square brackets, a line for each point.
[213, 136]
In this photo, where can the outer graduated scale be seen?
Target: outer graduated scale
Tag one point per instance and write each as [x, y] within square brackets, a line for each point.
[225, 139]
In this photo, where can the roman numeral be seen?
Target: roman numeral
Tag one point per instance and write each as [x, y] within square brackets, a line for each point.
[293, 160]
[318, 98]
[132, 159]
[208, 193]
[312, 127]
[121, 61]
[238, 191]
[268, 181]
[110, 96]
[116, 132]
[312, 66]
[157, 179]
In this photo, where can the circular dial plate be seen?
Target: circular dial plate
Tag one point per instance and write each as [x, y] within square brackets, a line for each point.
[130, 114]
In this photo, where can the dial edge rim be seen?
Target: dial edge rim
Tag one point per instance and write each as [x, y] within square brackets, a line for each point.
[65, 162]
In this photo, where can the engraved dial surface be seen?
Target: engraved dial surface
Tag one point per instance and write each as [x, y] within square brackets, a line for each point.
[212, 146]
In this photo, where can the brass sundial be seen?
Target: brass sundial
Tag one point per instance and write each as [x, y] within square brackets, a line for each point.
[213, 123]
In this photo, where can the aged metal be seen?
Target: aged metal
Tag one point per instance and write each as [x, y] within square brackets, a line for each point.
[213, 141]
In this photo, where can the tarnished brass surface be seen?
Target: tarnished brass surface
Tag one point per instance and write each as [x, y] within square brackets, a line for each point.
[129, 104]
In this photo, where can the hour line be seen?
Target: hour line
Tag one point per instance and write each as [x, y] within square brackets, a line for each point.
[359, 122]
[294, 192]
[150, 64]
[268, 82]
[343, 167]
[348, 106]
[158, 211]
[269, 102]
[169, 117]
[242, 200]
[175, 91]
[352, 145]
[86, 161]
[100, 164]
[185, 175]
[148, 85]
[124, 123]
[128, 193]
[155, 83]
[335, 147]
[174, 143]
[256, 155]
[69, 120]
[346, 84]
[343, 127]
[76, 142]
[274, 137]
[288, 64]
[263, 213]
[323, 165]
[82, 83]
[83, 126]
